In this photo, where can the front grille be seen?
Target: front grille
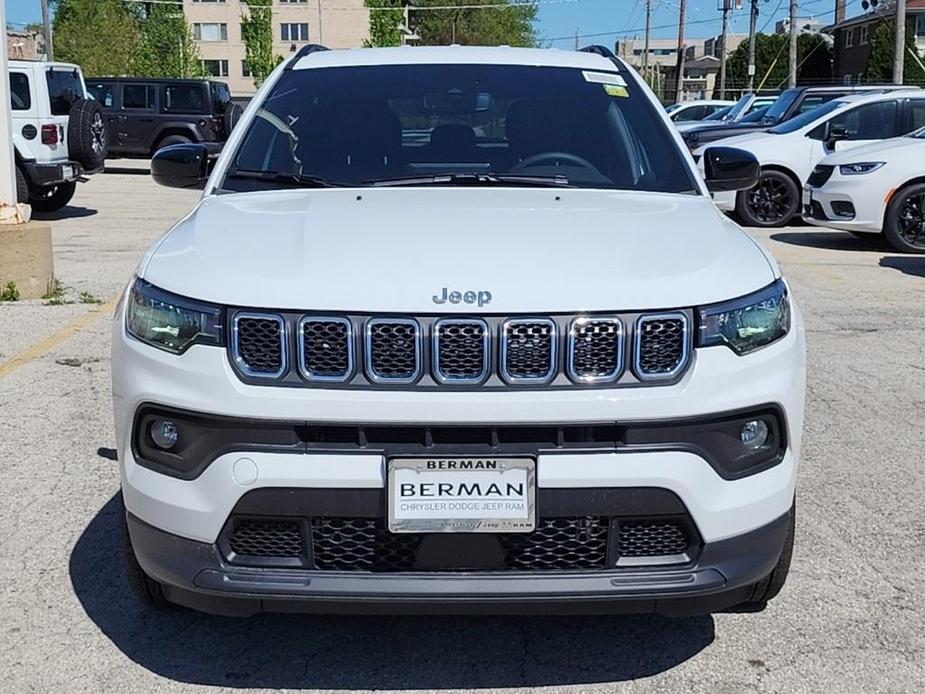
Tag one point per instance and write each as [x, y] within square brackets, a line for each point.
[819, 176]
[258, 344]
[595, 349]
[528, 350]
[460, 351]
[393, 349]
[326, 349]
[661, 345]
[578, 543]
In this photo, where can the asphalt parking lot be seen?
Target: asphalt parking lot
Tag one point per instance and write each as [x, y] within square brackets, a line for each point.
[851, 619]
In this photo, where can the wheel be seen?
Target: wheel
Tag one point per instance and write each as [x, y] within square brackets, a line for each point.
[87, 134]
[172, 140]
[773, 202]
[768, 587]
[52, 198]
[905, 220]
[22, 187]
[148, 591]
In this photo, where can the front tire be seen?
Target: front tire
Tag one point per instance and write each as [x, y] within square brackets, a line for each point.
[52, 198]
[905, 220]
[172, 140]
[149, 592]
[773, 202]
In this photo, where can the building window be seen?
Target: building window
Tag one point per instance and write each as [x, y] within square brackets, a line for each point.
[292, 2]
[210, 31]
[296, 31]
[195, 1]
[920, 26]
[245, 69]
[849, 38]
[862, 41]
[216, 68]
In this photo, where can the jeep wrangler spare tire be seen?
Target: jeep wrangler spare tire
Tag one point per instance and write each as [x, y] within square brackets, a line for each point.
[87, 134]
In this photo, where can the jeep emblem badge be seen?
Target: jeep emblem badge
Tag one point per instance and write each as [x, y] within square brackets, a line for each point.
[481, 297]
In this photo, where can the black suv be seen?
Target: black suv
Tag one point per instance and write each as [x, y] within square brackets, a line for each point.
[790, 103]
[147, 114]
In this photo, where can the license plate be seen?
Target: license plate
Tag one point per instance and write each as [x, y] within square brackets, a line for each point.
[462, 495]
[807, 197]
[67, 171]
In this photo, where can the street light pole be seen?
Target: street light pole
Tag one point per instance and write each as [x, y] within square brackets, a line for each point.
[46, 24]
[900, 56]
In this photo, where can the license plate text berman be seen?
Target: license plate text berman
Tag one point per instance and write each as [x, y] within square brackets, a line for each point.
[462, 495]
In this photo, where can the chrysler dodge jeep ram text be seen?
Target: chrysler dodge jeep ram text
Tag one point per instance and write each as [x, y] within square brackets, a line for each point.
[457, 329]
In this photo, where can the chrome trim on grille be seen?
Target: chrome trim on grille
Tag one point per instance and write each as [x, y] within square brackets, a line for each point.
[303, 368]
[435, 350]
[368, 351]
[283, 351]
[637, 345]
[553, 352]
[618, 364]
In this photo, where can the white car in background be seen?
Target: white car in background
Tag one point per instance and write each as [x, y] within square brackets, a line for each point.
[745, 106]
[878, 188]
[696, 110]
[788, 152]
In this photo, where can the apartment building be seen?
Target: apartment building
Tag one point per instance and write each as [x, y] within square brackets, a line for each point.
[217, 29]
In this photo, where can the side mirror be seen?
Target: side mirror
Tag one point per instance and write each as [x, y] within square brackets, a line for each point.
[727, 168]
[834, 135]
[181, 166]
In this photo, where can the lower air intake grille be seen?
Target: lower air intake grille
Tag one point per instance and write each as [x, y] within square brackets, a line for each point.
[258, 344]
[255, 537]
[661, 345]
[393, 350]
[528, 350]
[559, 543]
[651, 538]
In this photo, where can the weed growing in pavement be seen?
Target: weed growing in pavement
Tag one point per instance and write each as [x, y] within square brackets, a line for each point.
[9, 292]
[55, 290]
[88, 298]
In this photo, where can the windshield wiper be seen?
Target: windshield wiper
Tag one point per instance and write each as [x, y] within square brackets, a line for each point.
[474, 180]
[291, 179]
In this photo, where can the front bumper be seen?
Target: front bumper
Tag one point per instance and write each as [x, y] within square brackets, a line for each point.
[196, 575]
[53, 174]
[868, 210]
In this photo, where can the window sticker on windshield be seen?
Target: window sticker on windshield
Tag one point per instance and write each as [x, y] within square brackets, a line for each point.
[603, 78]
[616, 90]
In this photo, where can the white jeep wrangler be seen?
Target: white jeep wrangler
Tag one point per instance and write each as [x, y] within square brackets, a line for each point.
[59, 132]
[457, 329]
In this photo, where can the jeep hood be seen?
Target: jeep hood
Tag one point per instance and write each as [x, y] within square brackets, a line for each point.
[393, 249]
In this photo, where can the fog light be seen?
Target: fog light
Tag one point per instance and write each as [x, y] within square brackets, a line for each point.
[164, 433]
[754, 434]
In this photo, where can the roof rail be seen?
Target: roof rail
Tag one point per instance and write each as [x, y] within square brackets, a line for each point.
[597, 49]
[305, 50]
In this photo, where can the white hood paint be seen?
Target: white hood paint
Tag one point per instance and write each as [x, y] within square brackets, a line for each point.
[392, 249]
[882, 150]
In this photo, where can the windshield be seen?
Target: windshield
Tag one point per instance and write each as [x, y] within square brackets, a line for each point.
[740, 106]
[757, 115]
[780, 107]
[806, 118]
[367, 124]
[722, 114]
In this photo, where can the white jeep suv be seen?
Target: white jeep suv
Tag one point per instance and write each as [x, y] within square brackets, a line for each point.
[457, 329]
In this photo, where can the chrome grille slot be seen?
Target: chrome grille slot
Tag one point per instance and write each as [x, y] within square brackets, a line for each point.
[259, 344]
[528, 350]
[460, 350]
[661, 345]
[393, 350]
[595, 350]
[326, 348]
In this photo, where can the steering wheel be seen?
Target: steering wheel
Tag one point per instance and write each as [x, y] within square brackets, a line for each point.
[553, 158]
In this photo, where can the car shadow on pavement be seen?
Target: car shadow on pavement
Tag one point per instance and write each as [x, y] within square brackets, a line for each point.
[139, 170]
[66, 212]
[337, 652]
[907, 264]
[832, 240]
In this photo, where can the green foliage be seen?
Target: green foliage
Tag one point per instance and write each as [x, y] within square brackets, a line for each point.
[511, 26]
[383, 24]
[88, 298]
[98, 35]
[257, 33]
[166, 47]
[814, 61]
[882, 52]
[10, 292]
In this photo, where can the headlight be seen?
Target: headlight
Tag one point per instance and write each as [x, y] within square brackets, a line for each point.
[859, 168]
[748, 323]
[170, 322]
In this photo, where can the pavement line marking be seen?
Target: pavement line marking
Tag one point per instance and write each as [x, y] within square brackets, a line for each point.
[40, 349]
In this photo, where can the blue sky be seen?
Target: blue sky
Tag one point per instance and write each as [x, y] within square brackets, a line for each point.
[559, 19]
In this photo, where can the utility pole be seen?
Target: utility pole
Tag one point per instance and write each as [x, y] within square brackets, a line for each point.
[680, 81]
[645, 55]
[46, 23]
[792, 79]
[752, 29]
[722, 49]
[900, 57]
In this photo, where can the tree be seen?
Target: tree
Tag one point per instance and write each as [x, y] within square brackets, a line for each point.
[882, 52]
[98, 35]
[383, 24]
[166, 47]
[511, 25]
[814, 61]
[257, 33]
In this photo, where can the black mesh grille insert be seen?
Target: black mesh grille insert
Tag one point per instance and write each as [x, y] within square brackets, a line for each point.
[661, 347]
[259, 344]
[326, 348]
[360, 544]
[651, 538]
[393, 350]
[529, 349]
[819, 176]
[595, 349]
[257, 537]
[461, 350]
[559, 543]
